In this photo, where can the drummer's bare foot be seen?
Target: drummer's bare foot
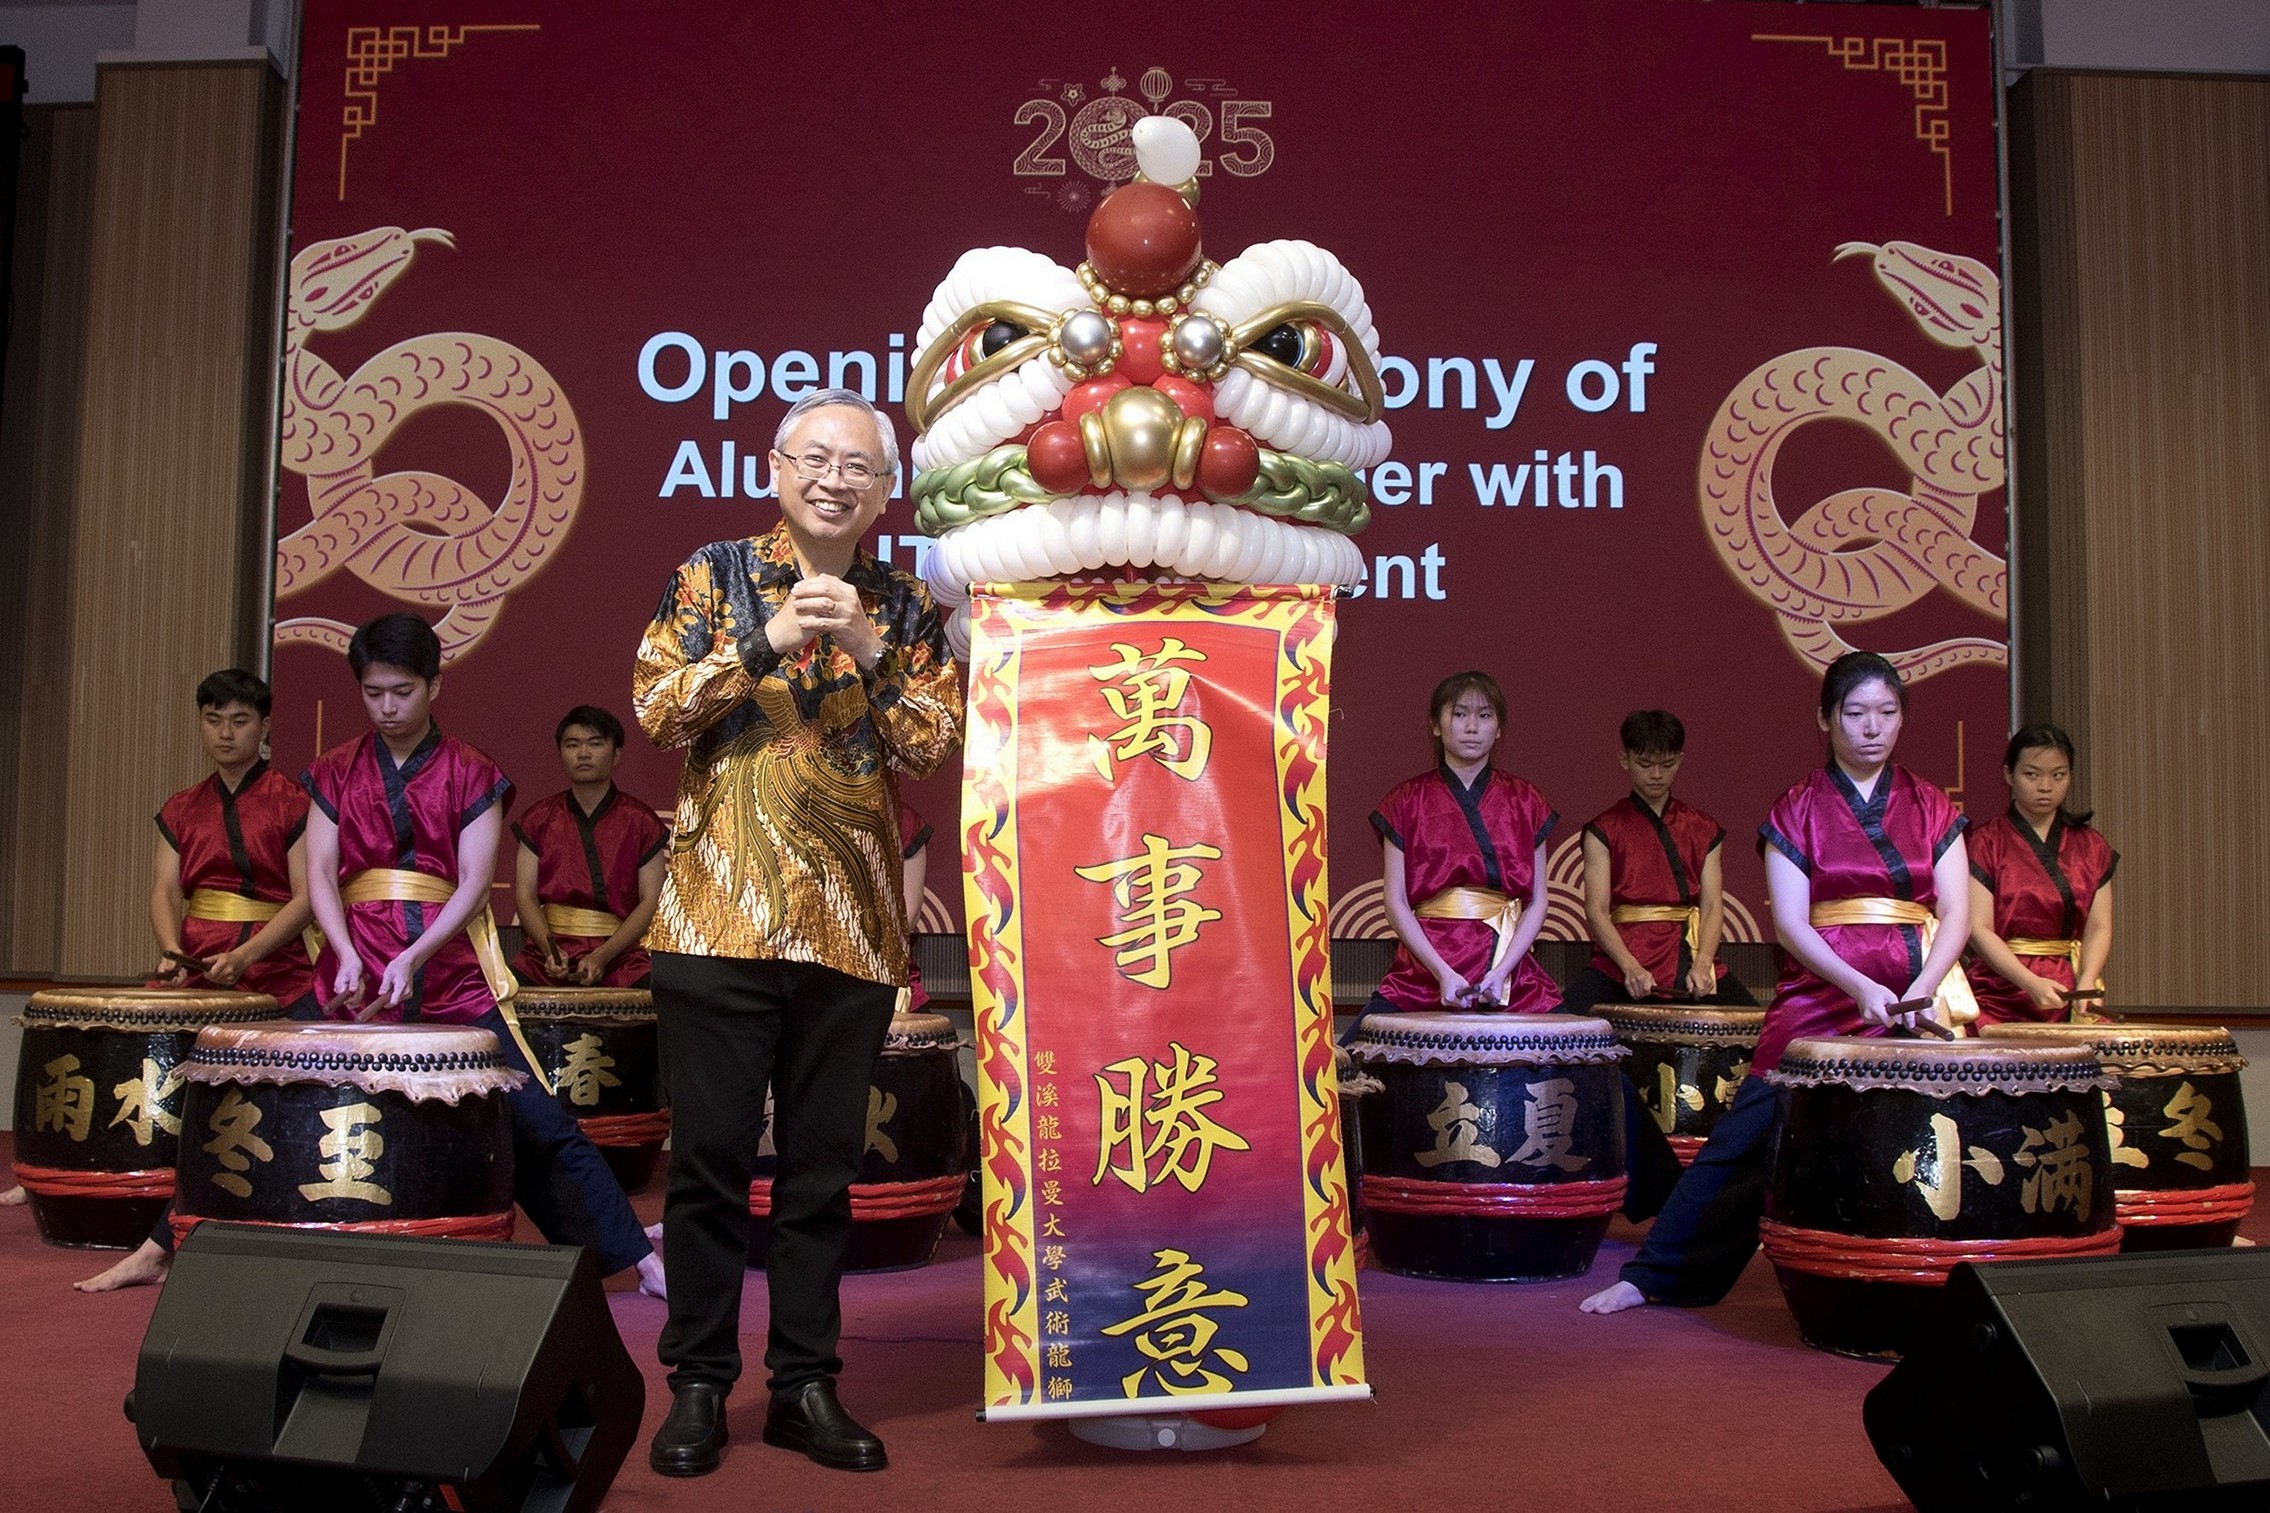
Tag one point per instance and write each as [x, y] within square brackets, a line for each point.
[1614, 1299]
[650, 1278]
[12, 1198]
[143, 1266]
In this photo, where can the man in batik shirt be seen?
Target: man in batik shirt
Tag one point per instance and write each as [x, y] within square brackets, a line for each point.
[800, 675]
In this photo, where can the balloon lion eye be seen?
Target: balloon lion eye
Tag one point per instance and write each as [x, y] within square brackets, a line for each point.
[996, 336]
[1281, 343]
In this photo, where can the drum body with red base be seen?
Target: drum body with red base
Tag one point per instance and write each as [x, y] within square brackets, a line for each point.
[2177, 1122]
[99, 1102]
[381, 1129]
[1494, 1150]
[917, 1159]
[598, 1049]
[1687, 1063]
[1895, 1159]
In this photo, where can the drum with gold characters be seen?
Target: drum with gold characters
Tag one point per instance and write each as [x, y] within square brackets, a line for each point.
[395, 1129]
[98, 1104]
[1688, 1061]
[917, 1158]
[2177, 1123]
[1494, 1150]
[598, 1049]
[1893, 1160]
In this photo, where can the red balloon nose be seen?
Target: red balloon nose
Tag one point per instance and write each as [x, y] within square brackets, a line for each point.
[1143, 240]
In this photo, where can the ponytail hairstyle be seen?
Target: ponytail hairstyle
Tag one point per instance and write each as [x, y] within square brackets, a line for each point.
[1851, 671]
[2041, 737]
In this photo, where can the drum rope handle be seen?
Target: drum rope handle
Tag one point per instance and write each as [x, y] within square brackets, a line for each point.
[66, 1182]
[874, 1201]
[496, 1226]
[1914, 1260]
[2181, 1205]
[1495, 1200]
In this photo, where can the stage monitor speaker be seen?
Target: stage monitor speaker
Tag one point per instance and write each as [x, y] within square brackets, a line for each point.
[306, 1369]
[2123, 1382]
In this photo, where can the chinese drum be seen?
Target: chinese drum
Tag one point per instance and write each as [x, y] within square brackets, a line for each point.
[2177, 1125]
[393, 1129]
[598, 1049]
[1895, 1159]
[1494, 1150]
[917, 1159]
[98, 1104]
[1687, 1063]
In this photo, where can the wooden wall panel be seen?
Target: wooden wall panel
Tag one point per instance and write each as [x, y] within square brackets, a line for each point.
[170, 485]
[2143, 224]
[39, 457]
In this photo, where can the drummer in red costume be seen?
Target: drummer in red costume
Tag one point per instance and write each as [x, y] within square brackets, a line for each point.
[1463, 852]
[1652, 891]
[230, 889]
[1871, 902]
[590, 867]
[401, 846]
[2041, 889]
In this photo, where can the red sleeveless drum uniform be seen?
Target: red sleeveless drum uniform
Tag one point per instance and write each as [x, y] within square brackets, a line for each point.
[2042, 892]
[240, 842]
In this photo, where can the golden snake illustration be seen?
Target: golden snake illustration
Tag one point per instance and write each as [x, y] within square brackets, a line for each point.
[1864, 553]
[417, 536]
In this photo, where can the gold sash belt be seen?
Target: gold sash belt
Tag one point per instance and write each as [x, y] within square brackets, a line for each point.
[1954, 1001]
[567, 919]
[1499, 911]
[1690, 916]
[236, 909]
[398, 885]
[2025, 945]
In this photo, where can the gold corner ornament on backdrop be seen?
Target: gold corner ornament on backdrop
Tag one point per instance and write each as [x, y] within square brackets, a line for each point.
[1865, 553]
[417, 536]
[1142, 474]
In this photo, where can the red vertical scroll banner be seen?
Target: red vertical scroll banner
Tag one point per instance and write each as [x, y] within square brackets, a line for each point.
[1166, 1214]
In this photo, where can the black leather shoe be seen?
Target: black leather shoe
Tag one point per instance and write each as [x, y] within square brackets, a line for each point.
[811, 1420]
[691, 1440]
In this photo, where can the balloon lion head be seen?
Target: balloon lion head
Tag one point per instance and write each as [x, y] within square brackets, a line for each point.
[1149, 414]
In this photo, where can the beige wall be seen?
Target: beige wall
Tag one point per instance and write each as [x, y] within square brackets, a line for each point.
[2140, 244]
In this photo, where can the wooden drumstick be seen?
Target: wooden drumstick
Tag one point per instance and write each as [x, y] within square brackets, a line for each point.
[1924, 1023]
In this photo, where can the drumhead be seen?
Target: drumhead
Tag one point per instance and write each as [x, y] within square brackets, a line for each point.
[143, 1008]
[583, 1003]
[1937, 1067]
[921, 1032]
[2135, 1048]
[1683, 1024]
[1432, 1039]
[443, 1061]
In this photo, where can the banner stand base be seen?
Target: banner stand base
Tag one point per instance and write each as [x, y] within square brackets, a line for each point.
[1160, 1431]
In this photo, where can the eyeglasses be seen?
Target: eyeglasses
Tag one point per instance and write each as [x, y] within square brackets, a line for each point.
[814, 467]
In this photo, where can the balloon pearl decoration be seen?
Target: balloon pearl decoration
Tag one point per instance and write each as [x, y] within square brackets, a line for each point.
[1229, 464]
[1143, 240]
[1198, 343]
[1086, 337]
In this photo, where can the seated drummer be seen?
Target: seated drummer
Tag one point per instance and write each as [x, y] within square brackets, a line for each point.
[1463, 855]
[585, 853]
[1652, 892]
[230, 891]
[1870, 884]
[401, 846]
[914, 853]
[2041, 890]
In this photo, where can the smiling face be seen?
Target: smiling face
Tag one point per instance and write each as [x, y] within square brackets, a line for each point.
[1866, 727]
[2040, 780]
[827, 515]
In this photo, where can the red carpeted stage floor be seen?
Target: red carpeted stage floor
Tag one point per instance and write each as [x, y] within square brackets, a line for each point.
[1489, 1397]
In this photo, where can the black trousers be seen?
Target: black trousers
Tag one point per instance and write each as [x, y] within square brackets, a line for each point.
[1651, 1167]
[1708, 1229]
[812, 1035]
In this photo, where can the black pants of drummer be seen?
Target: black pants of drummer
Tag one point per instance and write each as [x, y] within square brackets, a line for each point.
[303, 1008]
[1708, 1229]
[1651, 1167]
[559, 1179]
[812, 1034]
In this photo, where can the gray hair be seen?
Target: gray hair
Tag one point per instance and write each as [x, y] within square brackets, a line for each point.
[824, 398]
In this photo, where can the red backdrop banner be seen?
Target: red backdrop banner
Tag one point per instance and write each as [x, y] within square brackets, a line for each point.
[1690, 311]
